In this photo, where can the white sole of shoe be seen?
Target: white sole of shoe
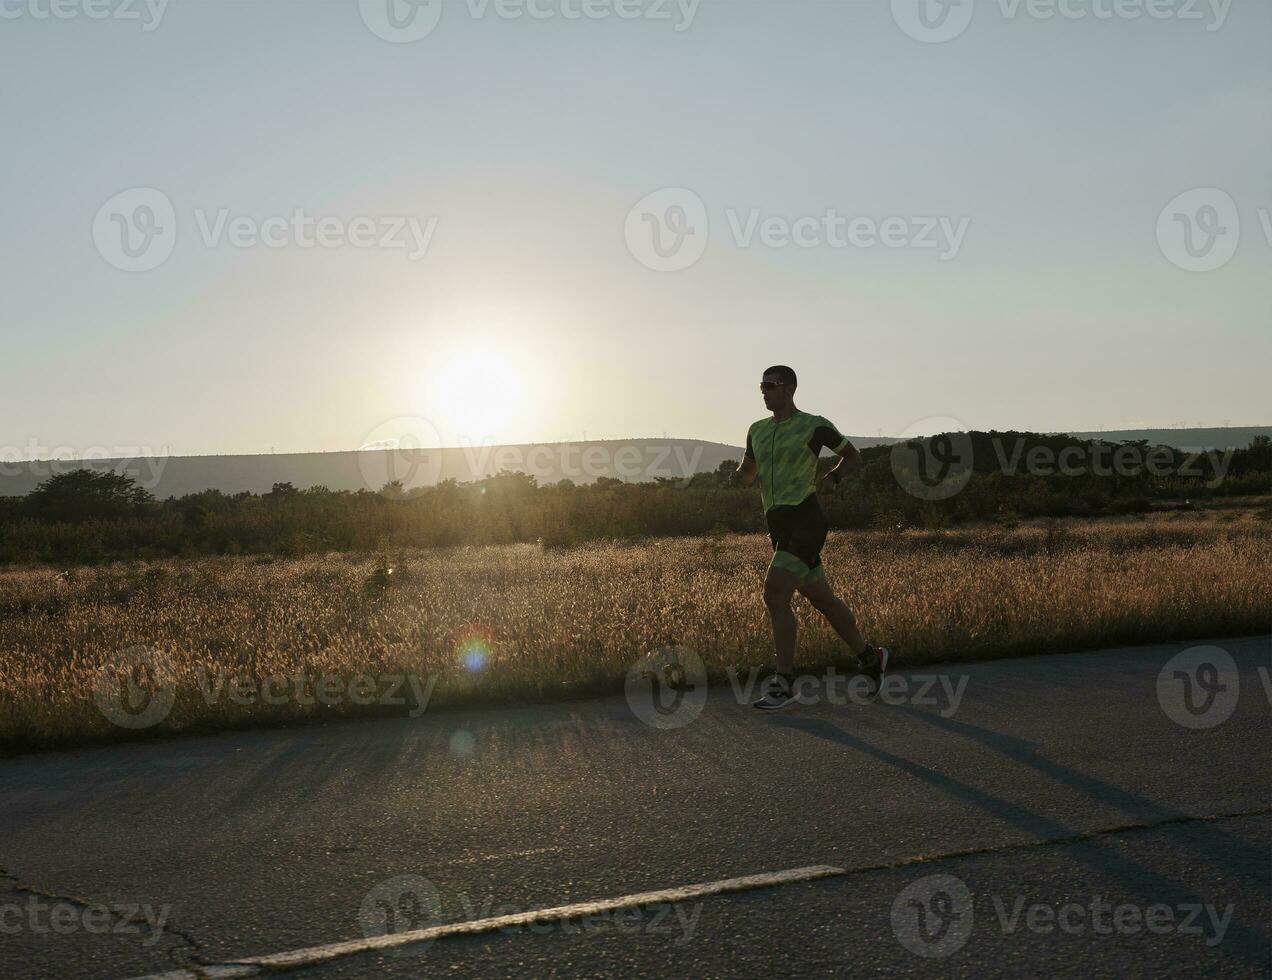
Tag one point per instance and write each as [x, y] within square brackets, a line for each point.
[884, 656]
[774, 707]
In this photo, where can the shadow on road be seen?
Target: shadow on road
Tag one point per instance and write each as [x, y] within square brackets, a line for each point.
[1241, 942]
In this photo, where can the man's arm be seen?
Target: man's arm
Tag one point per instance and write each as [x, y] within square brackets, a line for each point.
[849, 458]
[745, 473]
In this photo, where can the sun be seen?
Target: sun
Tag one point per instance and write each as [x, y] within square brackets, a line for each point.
[478, 393]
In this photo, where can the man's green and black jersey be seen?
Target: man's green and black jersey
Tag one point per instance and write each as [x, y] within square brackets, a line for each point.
[785, 455]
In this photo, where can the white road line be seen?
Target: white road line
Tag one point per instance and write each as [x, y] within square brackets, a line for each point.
[255, 965]
[483, 858]
[207, 973]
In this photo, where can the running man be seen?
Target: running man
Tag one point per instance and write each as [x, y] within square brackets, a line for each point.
[782, 451]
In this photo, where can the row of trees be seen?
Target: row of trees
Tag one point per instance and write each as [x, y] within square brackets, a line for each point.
[88, 516]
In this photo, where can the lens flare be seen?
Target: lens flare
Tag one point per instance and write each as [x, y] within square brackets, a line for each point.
[473, 648]
[463, 745]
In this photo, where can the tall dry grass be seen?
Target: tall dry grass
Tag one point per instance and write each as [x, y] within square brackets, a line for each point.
[572, 621]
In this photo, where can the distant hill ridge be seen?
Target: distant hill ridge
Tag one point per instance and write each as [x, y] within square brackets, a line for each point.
[631, 460]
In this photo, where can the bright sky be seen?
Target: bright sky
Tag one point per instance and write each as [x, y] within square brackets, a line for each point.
[964, 228]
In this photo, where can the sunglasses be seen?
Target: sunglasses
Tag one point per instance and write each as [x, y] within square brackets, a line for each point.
[772, 385]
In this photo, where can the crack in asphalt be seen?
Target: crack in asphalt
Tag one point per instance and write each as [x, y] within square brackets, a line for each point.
[1126, 828]
[187, 944]
[252, 966]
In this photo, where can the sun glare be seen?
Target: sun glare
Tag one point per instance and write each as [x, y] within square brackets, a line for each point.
[478, 393]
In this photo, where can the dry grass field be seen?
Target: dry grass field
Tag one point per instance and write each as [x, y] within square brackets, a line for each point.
[524, 623]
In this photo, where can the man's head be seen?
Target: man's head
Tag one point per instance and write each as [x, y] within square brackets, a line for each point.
[778, 387]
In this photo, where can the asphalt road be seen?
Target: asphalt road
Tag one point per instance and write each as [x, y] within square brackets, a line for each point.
[1053, 817]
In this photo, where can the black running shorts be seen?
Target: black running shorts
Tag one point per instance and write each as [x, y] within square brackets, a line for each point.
[798, 532]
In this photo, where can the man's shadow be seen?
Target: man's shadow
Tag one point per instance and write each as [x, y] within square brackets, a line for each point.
[1231, 853]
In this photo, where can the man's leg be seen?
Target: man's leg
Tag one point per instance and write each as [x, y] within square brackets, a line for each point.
[779, 587]
[874, 660]
[837, 612]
